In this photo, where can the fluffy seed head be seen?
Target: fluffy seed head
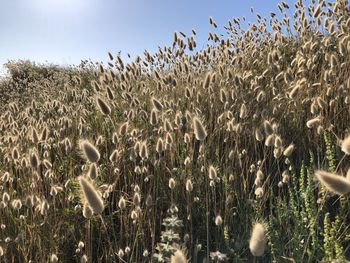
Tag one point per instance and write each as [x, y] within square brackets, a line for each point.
[257, 241]
[285, 177]
[207, 81]
[157, 104]
[258, 135]
[268, 127]
[91, 195]
[34, 160]
[103, 106]
[160, 145]
[143, 151]
[260, 175]
[91, 153]
[212, 173]
[270, 140]
[136, 199]
[87, 212]
[333, 182]
[345, 146]
[93, 171]
[54, 258]
[243, 111]
[123, 129]
[154, 117]
[348, 175]
[199, 130]
[122, 203]
[294, 92]
[178, 257]
[84, 259]
[313, 122]
[189, 185]
[259, 192]
[172, 183]
[289, 150]
[218, 220]
[114, 156]
[15, 153]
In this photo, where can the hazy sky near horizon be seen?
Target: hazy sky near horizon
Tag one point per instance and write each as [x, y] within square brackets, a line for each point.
[66, 31]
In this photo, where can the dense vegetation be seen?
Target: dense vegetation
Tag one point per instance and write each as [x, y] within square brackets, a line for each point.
[185, 151]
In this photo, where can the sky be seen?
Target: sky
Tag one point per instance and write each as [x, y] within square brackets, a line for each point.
[65, 31]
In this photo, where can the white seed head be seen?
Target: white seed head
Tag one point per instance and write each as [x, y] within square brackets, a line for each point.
[178, 257]
[345, 145]
[91, 195]
[257, 241]
[335, 183]
[199, 130]
[218, 220]
[90, 151]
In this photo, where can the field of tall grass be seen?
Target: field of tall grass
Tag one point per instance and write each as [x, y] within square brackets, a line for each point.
[236, 152]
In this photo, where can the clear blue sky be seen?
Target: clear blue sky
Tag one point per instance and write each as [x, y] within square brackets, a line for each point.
[66, 31]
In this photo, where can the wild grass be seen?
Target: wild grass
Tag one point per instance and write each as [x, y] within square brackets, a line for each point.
[187, 154]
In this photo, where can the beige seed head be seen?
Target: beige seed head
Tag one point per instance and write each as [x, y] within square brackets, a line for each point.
[6, 197]
[178, 257]
[172, 183]
[189, 185]
[268, 127]
[153, 117]
[123, 129]
[187, 138]
[134, 215]
[157, 104]
[218, 220]
[149, 201]
[257, 241]
[160, 145]
[212, 173]
[348, 175]
[259, 192]
[15, 153]
[90, 151]
[91, 195]
[260, 175]
[34, 160]
[294, 92]
[243, 111]
[122, 203]
[84, 259]
[87, 212]
[136, 199]
[121, 253]
[289, 150]
[114, 156]
[278, 142]
[143, 151]
[199, 130]
[345, 145]
[54, 258]
[258, 135]
[285, 177]
[103, 106]
[270, 140]
[313, 122]
[333, 182]
[187, 161]
[207, 81]
[93, 171]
